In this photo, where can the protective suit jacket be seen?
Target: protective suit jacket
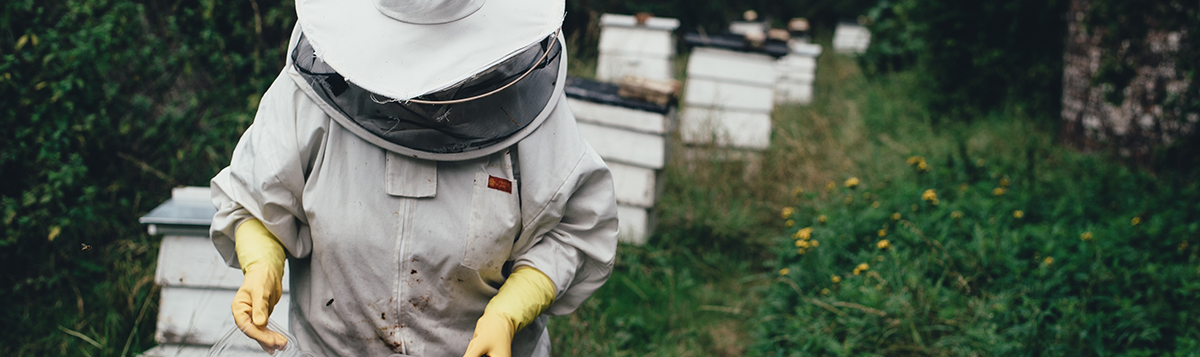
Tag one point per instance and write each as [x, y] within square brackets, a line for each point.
[393, 255]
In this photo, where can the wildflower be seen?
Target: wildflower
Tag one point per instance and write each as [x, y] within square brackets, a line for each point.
[804, 233]
[883, 244]
[998, 191]
[849, 199]
[1183, 246]
[814, 243]
[852, 182]
[861, 268]
[956, 215]
[830, 186]
[801, 251]
[836, 279]
[1018, 214]
[882, 232]
[783, 271]
[913, 160]
[1086, 236]
[922, 166]
[789, 223]
[787, 212]
[875, 204]
[896, 216]
[1048, 261]
[1135, 221]
[797, 191]
[822, 219]
[800, 243]
[1004, 182]
[825, 291]
[930, 195]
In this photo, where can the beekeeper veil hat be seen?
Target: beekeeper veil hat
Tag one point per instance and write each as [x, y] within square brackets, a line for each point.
[432, 79]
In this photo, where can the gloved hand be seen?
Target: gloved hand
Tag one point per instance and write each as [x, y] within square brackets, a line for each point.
[523, 297]
[262, 257]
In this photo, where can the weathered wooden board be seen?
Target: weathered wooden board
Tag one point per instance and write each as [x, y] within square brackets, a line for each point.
[637, 41]
[748, 130]
[731, 66]
[793, 92]
[634, 224]
[201, 316]
[729, 96]
[624, 146]
[194, 262]
[618, 117]
[634, 185]
[612, 67]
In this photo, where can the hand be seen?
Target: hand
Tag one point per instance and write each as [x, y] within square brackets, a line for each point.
[493, 337]
[253, 304]
[262, 258]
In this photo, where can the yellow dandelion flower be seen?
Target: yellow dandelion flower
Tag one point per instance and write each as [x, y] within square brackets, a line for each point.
[1018, 214]
[856, 271]
[875, 204]
[929, 195]
[1048, 261]
[1086, 236]
[825, 291]
[1004, 182]
[796, 191]
[913, 160]
[814, 243]
[822, 219]
[896, 216]
[801, 251]
[863, 267]
[800, 243]
[934, 202]
[956, 215]
[852, 182]
[789, 223]
[836, 279]
[783, 271]
[922, 166]
[882, 232]
[883, 244]
[804, 233]
[998, 191]
[786, 212]
[1135, 221]
[830, 186]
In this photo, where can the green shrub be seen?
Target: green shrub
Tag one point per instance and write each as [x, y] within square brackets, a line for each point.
[1051, 252]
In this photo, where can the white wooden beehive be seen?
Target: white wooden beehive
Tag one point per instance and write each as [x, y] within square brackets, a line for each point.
[728, 99]
[197, 285]
[634, 145]
[851, 38]
[628, 48]
[796, 73]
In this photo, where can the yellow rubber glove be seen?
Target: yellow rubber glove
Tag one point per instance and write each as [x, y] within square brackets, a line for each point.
[262, 257]
[523, 297]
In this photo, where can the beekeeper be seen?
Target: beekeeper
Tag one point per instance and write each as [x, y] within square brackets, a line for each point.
[417, 166]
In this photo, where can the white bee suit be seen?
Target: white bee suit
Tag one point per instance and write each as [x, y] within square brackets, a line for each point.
[392, 255]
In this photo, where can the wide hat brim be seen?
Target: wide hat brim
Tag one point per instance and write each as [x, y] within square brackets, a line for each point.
[403, 60]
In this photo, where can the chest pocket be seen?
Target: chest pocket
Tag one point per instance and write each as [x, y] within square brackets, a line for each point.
[495, 216]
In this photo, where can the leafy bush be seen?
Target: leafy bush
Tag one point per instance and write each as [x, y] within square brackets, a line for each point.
[979, 55]
[107, 105]
[1050, 252]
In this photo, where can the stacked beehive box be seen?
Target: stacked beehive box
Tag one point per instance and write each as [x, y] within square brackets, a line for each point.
[632, 48]
[728, 99]
[796, 73]
[197, 285]
[630, 136]
[850, 37]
